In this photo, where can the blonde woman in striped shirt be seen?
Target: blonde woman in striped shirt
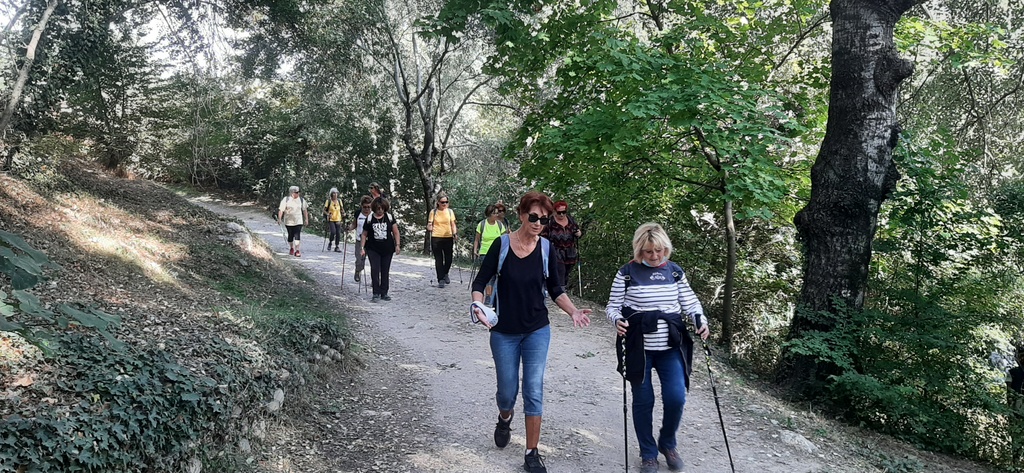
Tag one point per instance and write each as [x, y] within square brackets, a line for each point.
[648, 297]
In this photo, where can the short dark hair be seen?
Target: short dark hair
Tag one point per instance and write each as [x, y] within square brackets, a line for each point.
[490, 210]
[532, 198]
[365, 200]
[380, 204]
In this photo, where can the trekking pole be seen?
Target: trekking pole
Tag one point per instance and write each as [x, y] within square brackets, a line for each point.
[579, 266]
[326, 230]
[430, 251]
[344, 256]
[472, 272]
[625, 411]
[714, 392]
[580, 276]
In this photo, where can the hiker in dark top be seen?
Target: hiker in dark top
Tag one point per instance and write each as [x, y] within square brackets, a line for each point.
[564, 234]
[522, 333]
[1015, 399]
[380, 242]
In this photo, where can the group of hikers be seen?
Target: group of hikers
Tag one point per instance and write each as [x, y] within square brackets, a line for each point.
[649, 304]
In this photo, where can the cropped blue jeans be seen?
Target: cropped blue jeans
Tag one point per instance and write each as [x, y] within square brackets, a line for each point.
[530, 350]
[669, 365]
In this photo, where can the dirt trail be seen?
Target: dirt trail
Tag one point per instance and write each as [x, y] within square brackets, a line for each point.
[425, 399]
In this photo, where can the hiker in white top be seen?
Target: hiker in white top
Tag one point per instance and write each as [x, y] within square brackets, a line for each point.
[647, 300]
[360, 220]
[294, 212]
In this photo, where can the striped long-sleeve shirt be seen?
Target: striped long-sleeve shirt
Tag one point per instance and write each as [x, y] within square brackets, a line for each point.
[653, 289]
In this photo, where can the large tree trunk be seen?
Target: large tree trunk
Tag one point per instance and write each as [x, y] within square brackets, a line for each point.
[730, 276]
[854, 173]
[26, 66]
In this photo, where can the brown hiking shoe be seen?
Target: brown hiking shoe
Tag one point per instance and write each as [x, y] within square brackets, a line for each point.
[649, 465]
[672, 459]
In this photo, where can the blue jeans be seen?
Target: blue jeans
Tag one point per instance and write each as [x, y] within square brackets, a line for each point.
[669, 365]
[507, 350]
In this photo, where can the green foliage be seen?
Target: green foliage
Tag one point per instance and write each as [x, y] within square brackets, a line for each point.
[132, 409]
[919, 374]
[24, 313]
[945, 294]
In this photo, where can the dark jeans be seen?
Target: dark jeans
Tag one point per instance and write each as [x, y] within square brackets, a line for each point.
[442, 249]
[335, 233]
[294, 232]
[380, 271]
[566, 279]
[669, 365]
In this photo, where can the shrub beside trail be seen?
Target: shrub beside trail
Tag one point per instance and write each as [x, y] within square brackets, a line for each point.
[206, 332]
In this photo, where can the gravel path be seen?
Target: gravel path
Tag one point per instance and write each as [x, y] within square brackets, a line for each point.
[424, 401]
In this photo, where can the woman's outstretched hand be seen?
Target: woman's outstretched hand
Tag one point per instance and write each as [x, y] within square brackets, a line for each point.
[581, 317]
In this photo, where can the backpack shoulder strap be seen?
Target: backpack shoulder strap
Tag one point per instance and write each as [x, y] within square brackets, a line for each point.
[505, 243]
[677, 272]
[628, 274]
[545, 251]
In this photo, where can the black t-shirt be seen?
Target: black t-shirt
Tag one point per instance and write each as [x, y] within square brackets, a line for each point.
[380, 236]
[521, 286]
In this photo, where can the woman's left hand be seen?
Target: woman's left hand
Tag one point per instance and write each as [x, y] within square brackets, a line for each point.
[581, 317]
[703, 332]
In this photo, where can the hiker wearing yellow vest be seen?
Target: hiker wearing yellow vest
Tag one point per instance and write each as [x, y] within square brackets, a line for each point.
[441, 225]
[333, 212]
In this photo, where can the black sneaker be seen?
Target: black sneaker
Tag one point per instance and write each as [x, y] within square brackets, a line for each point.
[376, 298]
[385, 297]
[357, 277]
[534, 463]
[447, 280]
[337, 249]
[440, 284]
[503, 431]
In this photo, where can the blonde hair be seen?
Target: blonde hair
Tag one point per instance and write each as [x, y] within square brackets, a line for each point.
[651, 234]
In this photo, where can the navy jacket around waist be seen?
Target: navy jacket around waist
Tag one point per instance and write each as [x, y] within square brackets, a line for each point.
[630, 348]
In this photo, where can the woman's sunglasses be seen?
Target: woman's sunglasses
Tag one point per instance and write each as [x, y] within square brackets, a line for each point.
[534, 218]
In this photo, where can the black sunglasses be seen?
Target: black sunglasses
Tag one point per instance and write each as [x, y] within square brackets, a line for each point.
[534, 218]
[563, 212]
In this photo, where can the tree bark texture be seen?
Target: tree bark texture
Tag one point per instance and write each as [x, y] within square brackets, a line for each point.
[730, 276]
[26, 66]
[853, 174]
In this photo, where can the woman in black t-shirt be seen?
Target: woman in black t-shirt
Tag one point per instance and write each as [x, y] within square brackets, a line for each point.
[379, 243]
[522, 334]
